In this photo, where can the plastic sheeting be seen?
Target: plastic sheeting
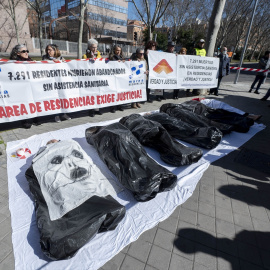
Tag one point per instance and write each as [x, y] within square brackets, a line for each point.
[205, 137]
[128, 161]
[239, 123]
[180, 112]
[62, 238]
[139, 216]
[154, 135]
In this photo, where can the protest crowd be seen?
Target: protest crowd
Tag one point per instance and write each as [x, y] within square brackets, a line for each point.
[52, 53]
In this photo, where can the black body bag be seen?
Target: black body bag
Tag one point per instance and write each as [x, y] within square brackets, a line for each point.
[205, 137]
[154, 135]
[180, 112]
[128, 161]
[62, 238]
[239, 122]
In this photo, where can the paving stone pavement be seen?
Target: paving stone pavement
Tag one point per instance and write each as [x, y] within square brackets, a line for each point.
[224, 225]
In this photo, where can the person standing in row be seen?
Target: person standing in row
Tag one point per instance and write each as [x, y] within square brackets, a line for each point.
[91, 53]
[117, 55]
[20, 53]
[170, 49]
[139, 56]
[53, 53]
[224, 69]
[260, 76]
[183, 51]
[199, 50]
[150, 46]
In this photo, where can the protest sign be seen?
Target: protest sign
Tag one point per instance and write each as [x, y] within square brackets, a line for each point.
[162, 70]
[28, 90]
[168, 71]
[197, 72]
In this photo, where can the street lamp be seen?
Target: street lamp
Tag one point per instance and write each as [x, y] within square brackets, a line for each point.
[116, 34]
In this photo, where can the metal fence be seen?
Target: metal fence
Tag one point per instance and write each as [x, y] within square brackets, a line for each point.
[69, 47]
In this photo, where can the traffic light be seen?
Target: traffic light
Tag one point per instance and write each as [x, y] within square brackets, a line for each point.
[135, 36]
[170, 35]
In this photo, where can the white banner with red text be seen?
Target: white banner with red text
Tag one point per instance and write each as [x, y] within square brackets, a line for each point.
[35, 89]
[170, 71]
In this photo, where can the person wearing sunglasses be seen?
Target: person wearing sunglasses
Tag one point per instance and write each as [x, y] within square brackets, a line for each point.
[20, 53]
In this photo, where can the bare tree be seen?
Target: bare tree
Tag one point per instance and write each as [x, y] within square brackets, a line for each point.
[151, 16]
[11, 8]
[214, 25]
[38, 7]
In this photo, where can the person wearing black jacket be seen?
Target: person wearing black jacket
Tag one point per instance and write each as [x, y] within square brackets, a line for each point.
[117, 55]
[224, 69]
[260, 76]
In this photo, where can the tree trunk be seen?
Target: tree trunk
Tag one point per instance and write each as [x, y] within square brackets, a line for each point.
[79, 53]
[40, 34]
[214, 25]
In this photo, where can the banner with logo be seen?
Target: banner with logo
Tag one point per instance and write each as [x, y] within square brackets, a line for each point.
[168, 71]
[162, 70]
[35, 89]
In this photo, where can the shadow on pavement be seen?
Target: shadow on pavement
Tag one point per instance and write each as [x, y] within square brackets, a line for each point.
[247, 246]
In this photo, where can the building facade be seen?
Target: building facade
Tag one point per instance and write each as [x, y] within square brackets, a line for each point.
[103, 20]
[8, 37]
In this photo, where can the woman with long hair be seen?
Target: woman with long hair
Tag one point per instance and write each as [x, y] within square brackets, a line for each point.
[53, 53]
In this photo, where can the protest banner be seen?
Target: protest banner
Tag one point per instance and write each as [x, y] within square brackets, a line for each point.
[197, 72]
[168, 71]
[162, 70]
[35, 89]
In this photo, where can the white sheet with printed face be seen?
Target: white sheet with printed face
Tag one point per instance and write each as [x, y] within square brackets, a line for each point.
[68, 177]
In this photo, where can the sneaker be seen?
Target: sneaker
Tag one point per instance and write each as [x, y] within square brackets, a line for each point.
[91, 113]
[66, 117]
[149, 101]
[256, 92]
[113, 110]
[57, 119]
[250, 91]
[120, 108]
[99, 112]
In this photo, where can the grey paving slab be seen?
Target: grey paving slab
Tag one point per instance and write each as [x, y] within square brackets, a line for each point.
[140, 249]
[224, 225]
[178, 262]
[159, 258]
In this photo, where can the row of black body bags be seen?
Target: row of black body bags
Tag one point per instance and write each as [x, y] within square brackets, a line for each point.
[126, 158]
[73, 199]
[203, 136]
[239, 123]
[180, 112]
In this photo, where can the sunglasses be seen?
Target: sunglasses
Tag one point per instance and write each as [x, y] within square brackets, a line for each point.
[24, 51]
